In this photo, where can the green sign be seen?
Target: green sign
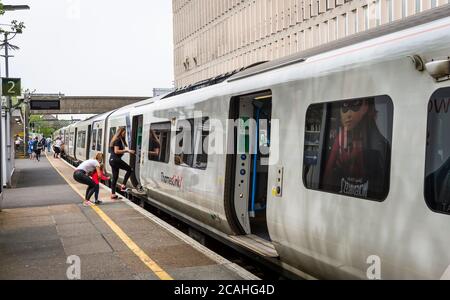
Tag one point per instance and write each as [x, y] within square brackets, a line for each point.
[11, 87]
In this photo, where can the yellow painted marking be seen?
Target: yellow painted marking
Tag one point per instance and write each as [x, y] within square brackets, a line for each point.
[151, 264]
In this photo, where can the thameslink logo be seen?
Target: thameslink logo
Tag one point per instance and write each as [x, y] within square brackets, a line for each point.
[176, 181]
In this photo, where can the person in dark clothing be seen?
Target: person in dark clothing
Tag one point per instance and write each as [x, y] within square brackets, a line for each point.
[118, 147]
[37, 148]
[43, 143]
[358, 163]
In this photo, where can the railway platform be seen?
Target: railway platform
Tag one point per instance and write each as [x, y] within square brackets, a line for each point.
[46, 233]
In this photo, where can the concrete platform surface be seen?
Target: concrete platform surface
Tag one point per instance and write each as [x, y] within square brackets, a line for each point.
[40, 235]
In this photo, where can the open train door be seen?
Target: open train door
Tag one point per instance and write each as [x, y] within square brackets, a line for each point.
[136, 144]
[88, 142]
[252, 115]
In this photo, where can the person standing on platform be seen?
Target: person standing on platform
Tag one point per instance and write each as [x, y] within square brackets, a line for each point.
[30, 148]
[49, 143]
[43, 143]
[18, 142]
[57, 147]
[37, 147]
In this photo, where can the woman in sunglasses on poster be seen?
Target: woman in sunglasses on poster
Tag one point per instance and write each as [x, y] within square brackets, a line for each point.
[356, 164]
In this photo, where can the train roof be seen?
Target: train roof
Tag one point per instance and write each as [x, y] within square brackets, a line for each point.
[367, 46]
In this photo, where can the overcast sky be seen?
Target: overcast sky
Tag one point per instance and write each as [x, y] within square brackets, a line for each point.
[93, 47]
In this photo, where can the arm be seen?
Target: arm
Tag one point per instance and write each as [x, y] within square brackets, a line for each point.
[120, 152]
[105, 178]
[99, 172]
[157, 149]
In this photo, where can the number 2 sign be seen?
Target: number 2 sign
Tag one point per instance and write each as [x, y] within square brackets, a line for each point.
[11, 87]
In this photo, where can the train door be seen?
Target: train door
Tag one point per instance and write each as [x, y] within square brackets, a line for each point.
[136, 143]
[75, 138]
[252, 118]
[93, 141]
[88, 142]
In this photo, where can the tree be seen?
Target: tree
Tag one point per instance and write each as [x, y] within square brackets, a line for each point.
[41, 126]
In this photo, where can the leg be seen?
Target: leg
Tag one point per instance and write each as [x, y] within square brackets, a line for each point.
[97, 192]
[134, 180]
[115, 177]
[86, 180]
[121, 165]
[124, 166]
[93, 190]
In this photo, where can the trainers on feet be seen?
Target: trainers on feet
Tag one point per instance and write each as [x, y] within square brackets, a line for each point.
[98, 202]
[139, 191]
[87, 203]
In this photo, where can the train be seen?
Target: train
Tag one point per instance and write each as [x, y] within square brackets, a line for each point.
[332, 162]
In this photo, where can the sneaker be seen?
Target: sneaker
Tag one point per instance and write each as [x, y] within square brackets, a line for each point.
[139, 191]
[88, 203]
[98, 202]
[115, 197]
[123, 188]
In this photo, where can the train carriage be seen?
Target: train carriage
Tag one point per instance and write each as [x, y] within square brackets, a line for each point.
[345, 164]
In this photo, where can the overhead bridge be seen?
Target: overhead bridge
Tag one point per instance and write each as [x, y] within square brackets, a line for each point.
[57, 104]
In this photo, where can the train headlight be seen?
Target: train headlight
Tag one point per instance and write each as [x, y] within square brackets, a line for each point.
[439, 69]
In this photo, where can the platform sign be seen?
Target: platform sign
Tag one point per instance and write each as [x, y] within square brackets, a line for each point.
[11, 87]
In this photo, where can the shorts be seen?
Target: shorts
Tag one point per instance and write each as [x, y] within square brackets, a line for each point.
[57, 150]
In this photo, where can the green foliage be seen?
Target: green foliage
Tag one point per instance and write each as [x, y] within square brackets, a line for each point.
[16, 26]
[41, 126]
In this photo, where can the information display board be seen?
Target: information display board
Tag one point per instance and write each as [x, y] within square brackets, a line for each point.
[45, 105]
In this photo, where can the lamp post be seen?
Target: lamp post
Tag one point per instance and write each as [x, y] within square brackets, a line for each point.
[15, 29]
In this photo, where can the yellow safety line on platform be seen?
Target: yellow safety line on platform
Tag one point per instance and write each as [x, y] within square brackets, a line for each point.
[151, 264]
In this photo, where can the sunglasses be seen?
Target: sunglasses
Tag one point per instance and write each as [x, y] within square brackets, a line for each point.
[354, 105]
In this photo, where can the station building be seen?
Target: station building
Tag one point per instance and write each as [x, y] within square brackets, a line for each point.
[212, 37]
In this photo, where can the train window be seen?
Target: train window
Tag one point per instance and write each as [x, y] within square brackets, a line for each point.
[94, 139]
[159, 142]
[191, 141]
[112, 132]
[78, 138]
[201, 144]
[99, 140]
[347, 147]
[183, 151]
[437, 166]
[81, 139]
